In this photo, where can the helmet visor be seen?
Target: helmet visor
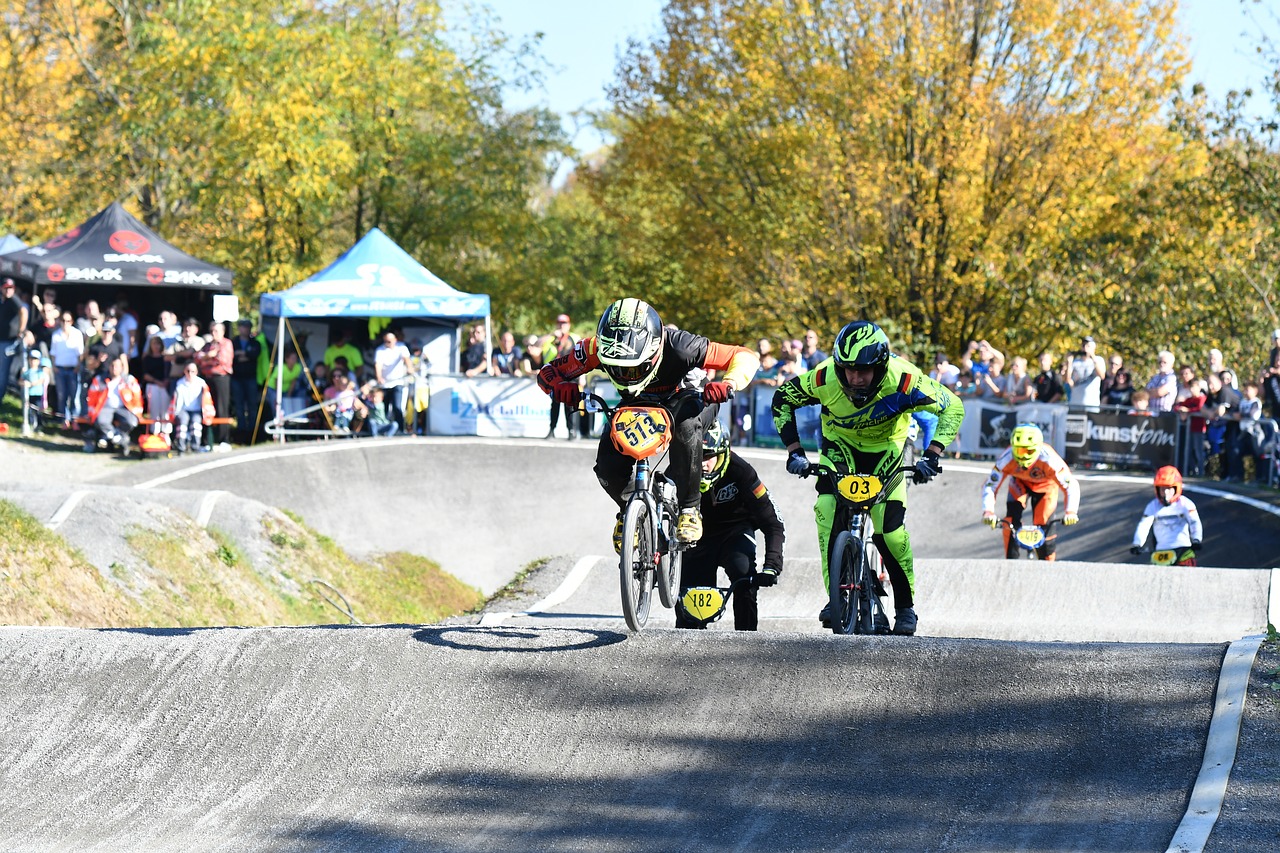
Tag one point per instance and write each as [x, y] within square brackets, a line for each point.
[629, 375]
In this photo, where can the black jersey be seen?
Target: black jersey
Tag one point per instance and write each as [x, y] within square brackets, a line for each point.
[738, 499]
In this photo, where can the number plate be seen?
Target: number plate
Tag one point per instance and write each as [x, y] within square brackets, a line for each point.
[641, 432]
[859, 488]
[1030, 537]
[702, 602]
[1164, 558]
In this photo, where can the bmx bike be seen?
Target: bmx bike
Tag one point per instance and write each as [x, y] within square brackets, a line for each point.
[651, 554]
[855, 584]
[1026, 538]
[1169, 556]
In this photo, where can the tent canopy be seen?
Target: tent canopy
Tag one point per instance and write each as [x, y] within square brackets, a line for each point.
[11, 243]
[374, 278]
[113, 248]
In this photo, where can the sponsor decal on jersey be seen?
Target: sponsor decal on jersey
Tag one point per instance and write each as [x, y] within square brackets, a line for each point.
[727, 493]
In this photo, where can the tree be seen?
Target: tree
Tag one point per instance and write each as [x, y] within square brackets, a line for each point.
[790, 163]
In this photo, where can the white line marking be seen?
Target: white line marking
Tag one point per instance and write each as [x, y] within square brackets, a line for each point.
[206, 506]
[1273, 599]
[568, 586]
[559, 595]
[65, 510]
[1220, 749]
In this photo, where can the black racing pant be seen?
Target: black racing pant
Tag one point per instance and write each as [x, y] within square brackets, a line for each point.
[734, 551]
[691, 418]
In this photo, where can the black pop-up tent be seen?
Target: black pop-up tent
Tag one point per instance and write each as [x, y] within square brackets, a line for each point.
[113, 248]
[113, 252]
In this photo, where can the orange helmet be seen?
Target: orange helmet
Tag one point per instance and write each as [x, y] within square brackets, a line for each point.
[1168, 477]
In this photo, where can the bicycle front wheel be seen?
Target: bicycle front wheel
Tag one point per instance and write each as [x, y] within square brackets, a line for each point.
[843, 571]
[637, 563]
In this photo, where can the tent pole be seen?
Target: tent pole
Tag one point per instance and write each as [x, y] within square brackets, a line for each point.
[280, 379]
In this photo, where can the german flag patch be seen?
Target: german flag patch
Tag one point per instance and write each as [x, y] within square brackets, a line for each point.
[904, 386]
[759, 491]
[821, 378]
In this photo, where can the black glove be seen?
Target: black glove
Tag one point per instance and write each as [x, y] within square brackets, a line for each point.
[1135, 549]
[768, 576]
[927, 468]
[1196, 544]
[798, 463]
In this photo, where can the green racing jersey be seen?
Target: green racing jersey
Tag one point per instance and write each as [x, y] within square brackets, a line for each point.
[881, 424]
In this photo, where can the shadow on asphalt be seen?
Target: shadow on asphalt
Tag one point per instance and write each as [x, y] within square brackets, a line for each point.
[518, 639]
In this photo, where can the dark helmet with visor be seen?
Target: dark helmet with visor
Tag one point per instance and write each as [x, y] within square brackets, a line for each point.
[629, 339]
[861, 344]
[715, 445]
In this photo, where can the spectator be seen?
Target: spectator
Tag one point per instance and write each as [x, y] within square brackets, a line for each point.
[1117, 385]
[382, 422]
[790, 365]
[245, 391]
[108, 345]
[810, 355]
[343, 348]
[1275, 346]
[1215, 433]
[561, 344]
[944, 372]
[127, 327]
[1271, 386]
[191, 408]
[115, 404]
[169, 330]
[90, 322]
[506, 359]
[989, 383]
[67, 350]
[184, 350]
[1186, 376]
[770, 367]
[1047, 383]
[13, 322]
[1190, 409]
[292, 400]
[1249, 435]
[1163, 386]
[1017, 387]
[344, 405]
[531, 359]
[393, 371]
[1082, 375]
[45, 326]
[966, 384]
[1140, 401]
[155, 377]
[35, 389]
[216, 360]
[1216, 364]
[474, 362]
[982, 356]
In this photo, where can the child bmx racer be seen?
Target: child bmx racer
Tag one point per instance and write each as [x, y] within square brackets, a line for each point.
[1173, 518]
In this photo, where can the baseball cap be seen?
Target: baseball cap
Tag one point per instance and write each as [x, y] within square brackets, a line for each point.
[109, 326]
[563, 318]
[1087, 339]
[8, 282]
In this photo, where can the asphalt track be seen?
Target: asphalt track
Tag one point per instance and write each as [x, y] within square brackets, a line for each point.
[1043, 707]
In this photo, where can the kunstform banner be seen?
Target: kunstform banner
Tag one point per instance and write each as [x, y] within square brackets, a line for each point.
[1140, 441]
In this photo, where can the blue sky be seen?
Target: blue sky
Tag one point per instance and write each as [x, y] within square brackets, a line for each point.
[582, 39]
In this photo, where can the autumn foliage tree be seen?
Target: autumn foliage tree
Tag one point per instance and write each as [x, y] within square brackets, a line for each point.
[793, 163]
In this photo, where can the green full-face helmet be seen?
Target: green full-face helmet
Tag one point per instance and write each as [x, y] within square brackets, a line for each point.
[861, 344]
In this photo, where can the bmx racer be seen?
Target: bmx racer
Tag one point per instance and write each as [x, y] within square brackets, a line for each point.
[648, 362]
[1036, 475]
[735, 504]
[1173, 517]
[867, 397]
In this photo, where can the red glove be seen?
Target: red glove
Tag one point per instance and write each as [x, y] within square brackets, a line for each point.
[548, 378]
[717, 392]
[566, 392]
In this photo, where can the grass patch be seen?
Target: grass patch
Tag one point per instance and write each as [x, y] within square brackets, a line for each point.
[516, 587]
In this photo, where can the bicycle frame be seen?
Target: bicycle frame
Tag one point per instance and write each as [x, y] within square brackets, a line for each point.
[650, 554]
[855, 589]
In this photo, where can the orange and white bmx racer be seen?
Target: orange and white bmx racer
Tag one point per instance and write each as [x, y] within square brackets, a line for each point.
[1037, 475]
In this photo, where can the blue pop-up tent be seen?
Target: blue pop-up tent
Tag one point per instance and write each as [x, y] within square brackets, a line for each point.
[11, 243]
[374, 278]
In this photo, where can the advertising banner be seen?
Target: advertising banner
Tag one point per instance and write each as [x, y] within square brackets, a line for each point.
[763, 433]
[488, 406]
[1133, 441]
[988, 424]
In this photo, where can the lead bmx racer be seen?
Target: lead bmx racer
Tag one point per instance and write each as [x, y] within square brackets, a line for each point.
[648, 363]
[867, 396]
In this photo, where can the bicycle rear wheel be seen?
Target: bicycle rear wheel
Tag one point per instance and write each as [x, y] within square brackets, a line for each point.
[637, 563]
[669, 574]
[843, 571]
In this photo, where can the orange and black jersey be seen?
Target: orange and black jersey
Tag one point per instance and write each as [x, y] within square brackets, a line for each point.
[681, 352]
[738, 499]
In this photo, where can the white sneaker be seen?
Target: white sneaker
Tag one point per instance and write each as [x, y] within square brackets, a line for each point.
[222, 447]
